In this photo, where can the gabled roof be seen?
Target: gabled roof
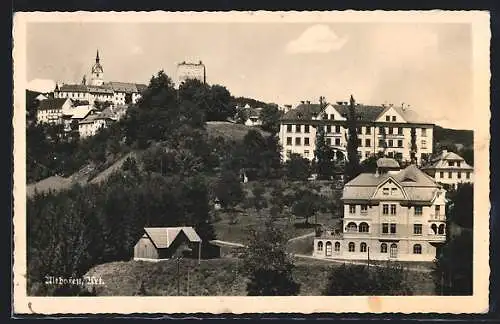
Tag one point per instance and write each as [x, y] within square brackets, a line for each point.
[100, 89]
[52, 103]
[79, 112]
[123, 86]
[417, 185]
[364, 113]
[73, 88]
[163, 237]
[441, 160]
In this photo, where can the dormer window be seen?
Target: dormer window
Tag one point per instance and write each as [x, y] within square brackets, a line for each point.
[450, 163]
[332, 116]
[393, 118]
[387, 118]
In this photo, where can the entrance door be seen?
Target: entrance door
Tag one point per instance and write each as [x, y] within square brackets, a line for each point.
[328, 249]
[394, 250]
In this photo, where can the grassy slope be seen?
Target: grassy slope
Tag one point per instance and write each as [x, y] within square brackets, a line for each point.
[218, 277]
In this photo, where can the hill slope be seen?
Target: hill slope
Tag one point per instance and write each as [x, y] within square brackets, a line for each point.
[447, 136]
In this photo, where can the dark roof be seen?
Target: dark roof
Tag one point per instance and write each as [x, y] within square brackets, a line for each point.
[364, 113]
[52, 103]
[302, 111]
[140, 87]
[387, 163]
[73, 88]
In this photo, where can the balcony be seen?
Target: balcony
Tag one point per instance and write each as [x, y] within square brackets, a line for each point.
[436, 238]
[437, 218]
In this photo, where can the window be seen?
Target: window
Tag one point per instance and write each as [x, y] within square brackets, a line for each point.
[364, 227]
[424, 132]
[383, 248]
[320, 246]
[352, 209]
[441, 174]
[306, 153]
[417, 229]
[337, 129]
[385, 228]
[393, 209]
[400, 130]
[352, 247]
[400, 143]
[297, 140]
[385, 209]
[393, 228]
[352, 227]
[385, 192]
[328, 248]
[393, 118]
[368, 142]
[449, 175]
[417, 249]
[381, 130]
[337, 246]
[423, 143]
[387, 118]
[368, 130]
[394, 250]
[381, 143]
[364, 208]
[459, 175]
[390, 130]
[359, 143]
[362, 247]
[437, 209]
[359, 130]
[434, 228]
[329, 141]
[441, 229]
[451, 163]
[328, 129]
[288, 141]
[467, 175]
[297, 128]
[288, 128]
[306, 141]
[306, 128]
[337, 141]
[332, 116]
[391, 142]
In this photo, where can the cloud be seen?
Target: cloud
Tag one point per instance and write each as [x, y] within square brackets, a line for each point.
[316, 39]
[41, 85]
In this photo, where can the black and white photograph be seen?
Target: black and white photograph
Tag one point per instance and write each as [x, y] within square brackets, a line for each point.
[306, 161]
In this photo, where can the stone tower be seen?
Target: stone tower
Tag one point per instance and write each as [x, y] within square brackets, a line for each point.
[97, 72]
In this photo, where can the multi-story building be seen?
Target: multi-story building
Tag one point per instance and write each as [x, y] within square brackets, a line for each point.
[391, 214]
[94, 122]
[386, 129]
[118, 93]
[52, 110]
[187, 70]
[450, 169]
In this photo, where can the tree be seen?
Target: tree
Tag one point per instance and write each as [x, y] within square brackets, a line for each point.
[259, 201]
[266, 263]
[352, 168]
[220, 107]
[270, 116]
[356, 280]
[229, 190]
[413, 145]
[460, 208]
[324, 156]
[453, 270]
[307, 204]
[297, 167]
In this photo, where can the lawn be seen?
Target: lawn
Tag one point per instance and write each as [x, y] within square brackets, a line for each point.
[217, 277]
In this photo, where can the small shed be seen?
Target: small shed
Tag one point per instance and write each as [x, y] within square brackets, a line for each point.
[161, 243]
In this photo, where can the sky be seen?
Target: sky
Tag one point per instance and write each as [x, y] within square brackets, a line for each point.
[427, 66]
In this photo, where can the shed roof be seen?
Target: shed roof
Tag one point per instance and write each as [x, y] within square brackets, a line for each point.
[163, 237]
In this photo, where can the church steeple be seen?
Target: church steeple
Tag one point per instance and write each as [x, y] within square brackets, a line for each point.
[97, 72]
[97, 57]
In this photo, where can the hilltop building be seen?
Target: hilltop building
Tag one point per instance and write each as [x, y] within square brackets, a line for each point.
[450, 169]
[384, 129]
[118, 93]
[187, 71]
[391, 214]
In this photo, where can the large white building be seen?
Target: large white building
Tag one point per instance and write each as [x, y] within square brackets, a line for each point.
[51, 111]
[384, 129]
[388, 215]
[118, 93]
[449, 169]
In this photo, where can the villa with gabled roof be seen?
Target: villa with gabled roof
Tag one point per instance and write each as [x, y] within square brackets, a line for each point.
[450, 169]
[391, 214]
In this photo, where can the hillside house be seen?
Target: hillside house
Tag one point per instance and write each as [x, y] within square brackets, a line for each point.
[94, 122]
[385, 129]
[388, 215]
[253, 117]
[450, 169]
[75, 115]
[51, 111]
[161, 243]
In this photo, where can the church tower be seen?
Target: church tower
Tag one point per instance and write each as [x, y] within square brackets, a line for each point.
[97, 72]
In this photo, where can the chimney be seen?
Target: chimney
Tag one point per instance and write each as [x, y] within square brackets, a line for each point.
[308, 102]
[302, 101]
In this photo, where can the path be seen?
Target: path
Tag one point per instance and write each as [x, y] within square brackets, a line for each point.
[302, 236]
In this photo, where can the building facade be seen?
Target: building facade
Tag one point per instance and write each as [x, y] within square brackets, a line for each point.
[389, 215]
[51, 111]
[450, 169]
[187, 71]
[386, 129]
[118, 93]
